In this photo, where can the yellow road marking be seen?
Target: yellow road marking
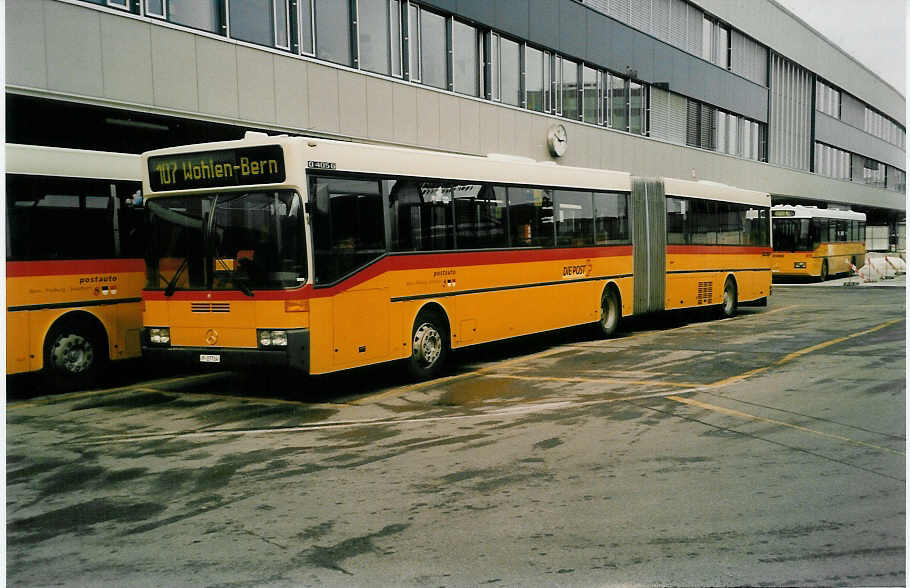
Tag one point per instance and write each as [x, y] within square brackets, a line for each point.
[752, 417]
[797, 354]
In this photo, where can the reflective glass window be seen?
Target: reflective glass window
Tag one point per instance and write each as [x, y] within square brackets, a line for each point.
[199, 14]
[510, 72]
[421, 215]
[373, 34]
[619, 105]
[464, 58]
[537, 79]
[433, 49]
[569, 89]
[395, 37]
[636, 108]
[333, 31]
[480, 216]
[574, 218]
[414, 42]
[305, 26]
[590, 93]
[531, 217]
[611, 214]
[252, 21]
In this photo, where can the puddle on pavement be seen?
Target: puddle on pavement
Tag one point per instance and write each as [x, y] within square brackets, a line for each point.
[478, 390]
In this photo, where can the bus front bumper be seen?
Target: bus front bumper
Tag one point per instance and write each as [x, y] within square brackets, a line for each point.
[295, 355]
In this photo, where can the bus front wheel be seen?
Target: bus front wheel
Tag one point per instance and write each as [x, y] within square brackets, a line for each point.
[729, 304]
[72, 356]
[823, 276]
[429, 346]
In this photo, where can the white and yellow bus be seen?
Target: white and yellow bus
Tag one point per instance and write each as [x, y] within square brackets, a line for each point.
[816, 242]
[74, 267]
[326, 255]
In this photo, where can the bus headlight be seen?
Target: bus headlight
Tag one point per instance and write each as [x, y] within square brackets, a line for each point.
[799, 264]
[160, 335]
[270, 338]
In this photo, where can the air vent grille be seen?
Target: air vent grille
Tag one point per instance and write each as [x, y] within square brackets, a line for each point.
[210, 307]
[705, 292]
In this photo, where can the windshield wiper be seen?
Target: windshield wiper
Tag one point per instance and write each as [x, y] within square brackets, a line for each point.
[172, 285]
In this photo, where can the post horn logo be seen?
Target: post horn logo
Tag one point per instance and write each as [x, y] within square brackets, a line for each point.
[211, 336]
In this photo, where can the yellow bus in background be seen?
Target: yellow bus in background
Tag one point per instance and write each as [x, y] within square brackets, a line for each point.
[327, 255]
[817, 242]
[74, 267]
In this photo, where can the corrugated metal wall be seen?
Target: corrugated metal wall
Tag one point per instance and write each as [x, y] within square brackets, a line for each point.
[790, 126]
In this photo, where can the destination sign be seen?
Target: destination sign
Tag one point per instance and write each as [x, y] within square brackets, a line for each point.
[783, 213]
[210, 169]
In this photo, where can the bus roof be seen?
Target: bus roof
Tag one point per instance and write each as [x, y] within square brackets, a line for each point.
[407, 161]
[73, 163]
[800, 211]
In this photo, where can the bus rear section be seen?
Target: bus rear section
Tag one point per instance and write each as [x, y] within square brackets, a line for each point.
[74, 268]
[817, 243]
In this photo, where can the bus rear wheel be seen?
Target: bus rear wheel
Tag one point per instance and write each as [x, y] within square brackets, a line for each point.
[823, 276]
[429, 346]
[730, 302]
[610, 313]
[73, 356]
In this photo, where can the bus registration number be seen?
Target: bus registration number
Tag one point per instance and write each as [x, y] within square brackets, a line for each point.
[204, 358]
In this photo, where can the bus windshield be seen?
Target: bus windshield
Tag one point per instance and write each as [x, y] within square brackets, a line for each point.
[794, 234]
[227, 241]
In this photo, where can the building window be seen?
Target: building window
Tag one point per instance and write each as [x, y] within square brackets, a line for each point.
[896, 180]
[373, 36]
[619, 103]
[638, 116]
[715, 42]
[433, 49]
[333, 31]
[395, 36]
[509, 71]
[465, 56]
[202, 14]
[537, 79]
[264, 22]
[568, 81]
[590, 104]
[305, 27]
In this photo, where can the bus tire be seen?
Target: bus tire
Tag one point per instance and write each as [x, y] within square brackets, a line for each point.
[74, 354]
[730, 301]
[610, 313]
[429, 345]
[823, 276]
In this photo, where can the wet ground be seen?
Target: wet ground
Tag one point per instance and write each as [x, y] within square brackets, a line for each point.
[767, 449]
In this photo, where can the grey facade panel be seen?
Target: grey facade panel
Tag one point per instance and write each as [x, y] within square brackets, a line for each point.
[291, 99]
[844, 136]
[572, 29]
[599, 48]
[174, 67]
[217, 71]
[512, 16]
[127, 59]
[480, 11]
[543, 16]
[30, 66]
[73, 37]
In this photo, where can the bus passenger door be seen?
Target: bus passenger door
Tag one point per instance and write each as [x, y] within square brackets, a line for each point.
[649, 240]
[348, 240]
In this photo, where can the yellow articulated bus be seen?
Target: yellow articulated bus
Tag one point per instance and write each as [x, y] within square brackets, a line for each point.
[326, 255]
[74, 267]
[816, 242]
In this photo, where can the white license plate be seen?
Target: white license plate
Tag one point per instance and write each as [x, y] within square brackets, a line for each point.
[210, 358]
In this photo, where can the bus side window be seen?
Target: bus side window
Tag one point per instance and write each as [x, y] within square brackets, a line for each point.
[348, 226]
[677, 217]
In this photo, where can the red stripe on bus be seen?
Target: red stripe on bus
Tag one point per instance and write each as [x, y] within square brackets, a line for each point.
[718, 249]
[71, 267]
[400, 263]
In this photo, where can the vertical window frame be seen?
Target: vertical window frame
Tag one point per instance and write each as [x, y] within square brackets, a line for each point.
[287, 23]
[162, 15]
[311, 26]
